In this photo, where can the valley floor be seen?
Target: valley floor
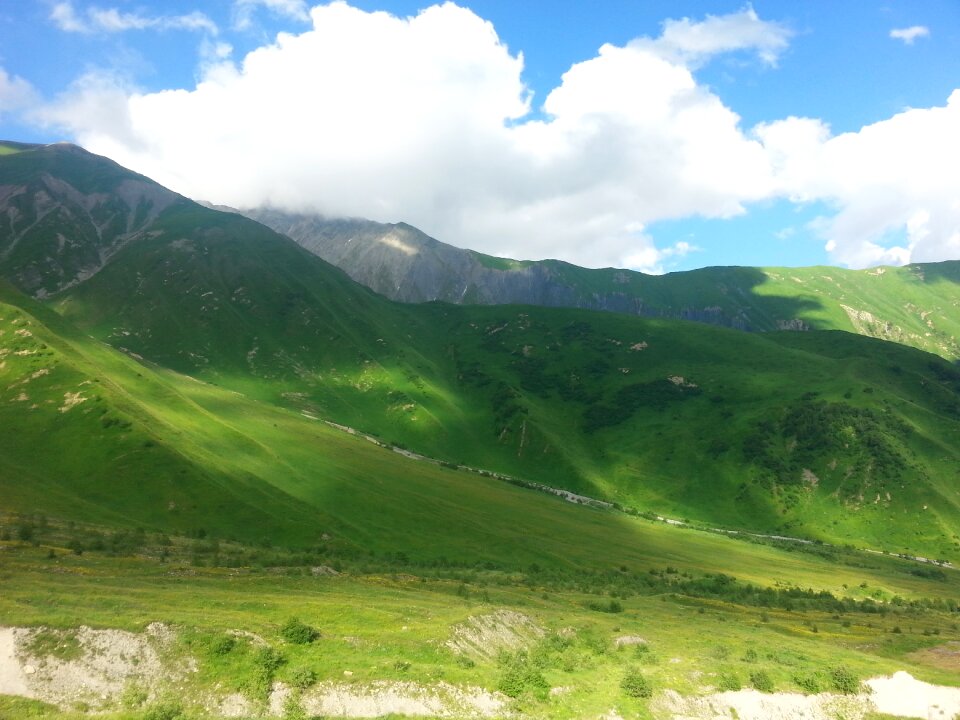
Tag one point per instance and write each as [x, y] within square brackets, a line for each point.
[165, 635]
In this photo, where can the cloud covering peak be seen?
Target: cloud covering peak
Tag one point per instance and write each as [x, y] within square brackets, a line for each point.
[427, 119]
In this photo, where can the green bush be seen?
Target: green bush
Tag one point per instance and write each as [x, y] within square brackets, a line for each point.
[520, 677]
[303, 678]
[843, 680]
[635, 684]
[223, 645]
[810, 684]
[298, 633]
[728, 681]
[761, 681]
[164, 711]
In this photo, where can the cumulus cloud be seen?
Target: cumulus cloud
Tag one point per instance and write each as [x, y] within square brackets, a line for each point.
[427, 119]
[894, 183]
[111, 20]
[909, 34]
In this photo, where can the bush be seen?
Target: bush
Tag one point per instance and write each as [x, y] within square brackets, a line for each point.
[810, 684]
[303, 678]
[761, 681]
[844, 680]
[635, 684]
[728, 681]
[519, 677]
[223, 645]
[298, 633]
[164, 711]
[268, 660]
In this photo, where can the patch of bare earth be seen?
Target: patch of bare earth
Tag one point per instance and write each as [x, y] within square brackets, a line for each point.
[900, 695]
[484, 636]
[84, 666]
[381, 698]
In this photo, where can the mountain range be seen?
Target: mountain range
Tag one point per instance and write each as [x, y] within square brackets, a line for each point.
[822, 434]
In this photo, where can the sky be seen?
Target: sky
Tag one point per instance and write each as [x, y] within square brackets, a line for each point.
[649, 134]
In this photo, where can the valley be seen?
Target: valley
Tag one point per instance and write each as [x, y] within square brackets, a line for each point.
[176, 390]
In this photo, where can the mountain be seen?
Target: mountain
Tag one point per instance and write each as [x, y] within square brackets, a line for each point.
[66, 213]
[916, 305]
[827, 435]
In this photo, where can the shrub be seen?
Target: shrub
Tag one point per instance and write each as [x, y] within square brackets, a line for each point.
[761, 681]
[268, 660]
[728, 681]
[519, 677]
[844, 680]
[298, 633]
[810, 684]
[303, 677]
[164, 711]
[635, 684]
[222, 645]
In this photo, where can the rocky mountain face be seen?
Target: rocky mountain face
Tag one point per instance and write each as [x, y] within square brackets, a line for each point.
[61, 225]
[405, 264]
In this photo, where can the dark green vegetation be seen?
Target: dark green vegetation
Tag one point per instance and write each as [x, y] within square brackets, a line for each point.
[170, 456]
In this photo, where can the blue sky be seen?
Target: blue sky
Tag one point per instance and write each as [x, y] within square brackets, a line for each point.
[703, 133]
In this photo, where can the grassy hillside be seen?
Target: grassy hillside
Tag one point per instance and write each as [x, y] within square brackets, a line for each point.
[916, 305]
[828, 436]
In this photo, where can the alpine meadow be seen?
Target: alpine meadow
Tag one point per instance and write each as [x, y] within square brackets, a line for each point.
[479, 360]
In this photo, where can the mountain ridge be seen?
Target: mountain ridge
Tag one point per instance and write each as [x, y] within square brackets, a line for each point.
[401, 262]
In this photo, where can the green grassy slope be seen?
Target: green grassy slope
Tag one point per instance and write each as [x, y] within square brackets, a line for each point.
[178, 455]
[773, 432]
[917, 305]
[825, 435]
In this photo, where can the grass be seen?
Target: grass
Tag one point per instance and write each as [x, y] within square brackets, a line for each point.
[394, 626]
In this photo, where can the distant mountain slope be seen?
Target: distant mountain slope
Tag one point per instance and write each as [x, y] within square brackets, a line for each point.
[823, 434]
[918, 305]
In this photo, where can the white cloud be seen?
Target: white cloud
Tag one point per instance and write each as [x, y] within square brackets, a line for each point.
[111, 20]
[16, 94]
[909, 34]
[894, 183]
[426, 119]
[244, 10]
[693, 42]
